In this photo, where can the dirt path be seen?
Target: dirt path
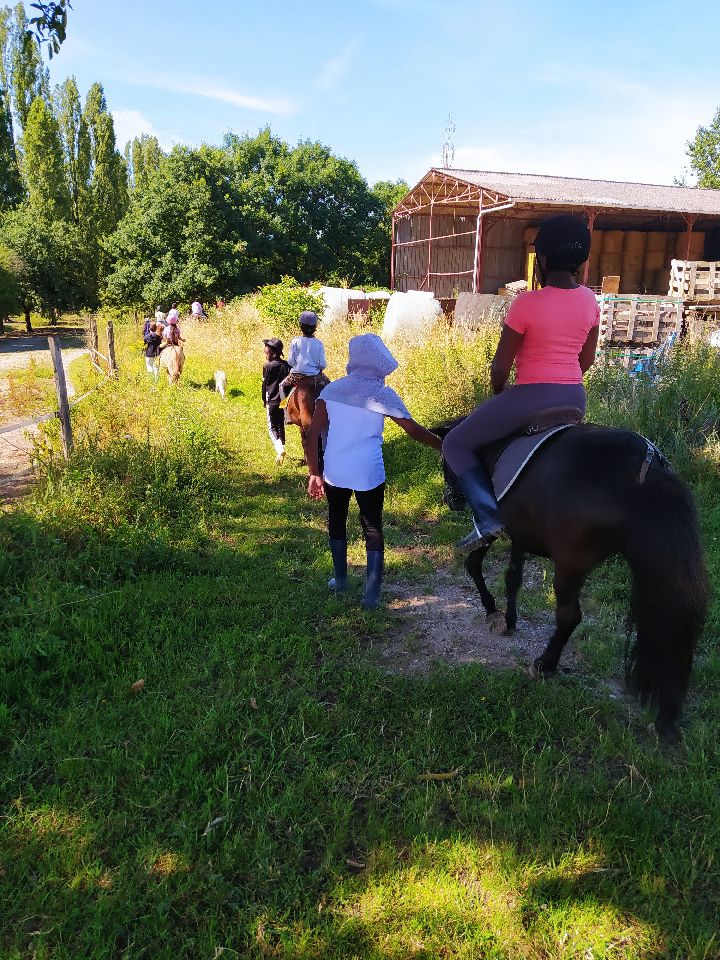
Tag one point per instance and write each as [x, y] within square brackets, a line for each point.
[440, 620]
[16, 445]
[443, 621]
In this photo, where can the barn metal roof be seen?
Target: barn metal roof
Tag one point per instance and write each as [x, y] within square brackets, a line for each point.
[534, 188]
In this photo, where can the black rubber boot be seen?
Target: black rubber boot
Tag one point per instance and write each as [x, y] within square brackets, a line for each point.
[478, 489]
[373, 579]
[338, 549]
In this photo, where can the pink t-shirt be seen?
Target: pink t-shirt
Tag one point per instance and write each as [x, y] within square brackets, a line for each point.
[555, 324]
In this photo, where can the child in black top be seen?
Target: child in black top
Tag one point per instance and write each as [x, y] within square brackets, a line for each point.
[274, 372]
[152, 349]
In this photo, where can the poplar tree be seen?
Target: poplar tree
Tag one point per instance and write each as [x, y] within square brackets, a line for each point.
[6, 32]
[75, 140]
[108, 179]
[43, 164]
[29, 76]
[142, 155]
[11, 188]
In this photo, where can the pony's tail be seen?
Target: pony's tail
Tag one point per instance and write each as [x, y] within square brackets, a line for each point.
[665, 554]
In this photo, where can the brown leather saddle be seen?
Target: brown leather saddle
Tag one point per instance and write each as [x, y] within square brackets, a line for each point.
[505, 459]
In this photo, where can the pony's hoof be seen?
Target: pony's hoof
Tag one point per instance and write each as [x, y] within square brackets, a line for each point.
[667, 733]
[538, 671]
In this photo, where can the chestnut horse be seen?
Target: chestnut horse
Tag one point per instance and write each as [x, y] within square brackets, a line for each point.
[301, 405]
[588, 494]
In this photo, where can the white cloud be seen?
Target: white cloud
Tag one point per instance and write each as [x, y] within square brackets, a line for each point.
[198, 87]
[336, 67]
[132, 123]
[215, 92]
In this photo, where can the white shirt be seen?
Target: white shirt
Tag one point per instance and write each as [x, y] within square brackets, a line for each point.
[196, 308]
[173, 313]
[159, 316]
[353, 453]
[307, 355]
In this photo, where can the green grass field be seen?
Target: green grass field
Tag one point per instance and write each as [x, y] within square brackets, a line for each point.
[264, 793]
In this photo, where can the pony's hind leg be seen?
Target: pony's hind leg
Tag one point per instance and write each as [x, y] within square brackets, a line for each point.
[513, 582]
[473, 565]
[567, 616]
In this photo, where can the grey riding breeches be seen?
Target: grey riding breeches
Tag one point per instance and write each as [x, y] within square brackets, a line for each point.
[504, 414]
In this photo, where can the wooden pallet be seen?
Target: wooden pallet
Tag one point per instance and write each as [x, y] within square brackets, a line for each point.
[639, 320]
[694, 279]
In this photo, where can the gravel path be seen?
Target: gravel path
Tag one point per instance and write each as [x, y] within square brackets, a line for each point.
[16, 445]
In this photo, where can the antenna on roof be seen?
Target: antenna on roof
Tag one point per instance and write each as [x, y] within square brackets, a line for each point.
[448, 150]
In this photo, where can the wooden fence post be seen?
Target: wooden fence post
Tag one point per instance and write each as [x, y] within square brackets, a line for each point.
[61, 388]
[112, 365]
[93, 343]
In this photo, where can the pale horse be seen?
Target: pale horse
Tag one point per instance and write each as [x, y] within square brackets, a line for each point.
[172, 359]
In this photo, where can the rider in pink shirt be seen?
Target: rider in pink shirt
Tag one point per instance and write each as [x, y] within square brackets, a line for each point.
[554, 324]
[550, 335]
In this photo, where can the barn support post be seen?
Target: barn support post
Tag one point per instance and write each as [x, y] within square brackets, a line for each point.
[586, 269]
[690, 219]
[478, 241]
[429, 243]
[392, 252]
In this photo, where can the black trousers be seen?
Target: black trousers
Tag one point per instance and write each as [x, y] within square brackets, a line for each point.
[370, 503]
[276, 422]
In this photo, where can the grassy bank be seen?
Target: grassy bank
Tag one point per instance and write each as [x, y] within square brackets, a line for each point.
[264, 792]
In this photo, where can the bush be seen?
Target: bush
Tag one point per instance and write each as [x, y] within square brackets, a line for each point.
[284, 302]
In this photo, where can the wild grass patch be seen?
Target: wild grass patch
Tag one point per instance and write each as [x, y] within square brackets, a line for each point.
[264, 792]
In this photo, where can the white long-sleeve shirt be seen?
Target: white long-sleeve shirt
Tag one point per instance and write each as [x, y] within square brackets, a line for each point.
[307, 355]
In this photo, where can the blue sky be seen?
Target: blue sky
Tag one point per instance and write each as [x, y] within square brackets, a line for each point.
[608, 90]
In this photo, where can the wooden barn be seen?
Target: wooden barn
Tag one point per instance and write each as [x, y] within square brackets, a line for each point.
[472, 231]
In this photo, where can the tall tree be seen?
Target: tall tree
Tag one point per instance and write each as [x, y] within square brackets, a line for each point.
[75, 140]
[47, 262]
[6, 39]
[388, 195]
[11, 188]
[327, 210]
[142, 156]
[704, 154]
[179, 237]
[43, 164]
[108, 181]
[9, 291]
[30, 78]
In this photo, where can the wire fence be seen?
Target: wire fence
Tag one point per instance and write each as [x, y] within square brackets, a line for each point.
[15, 436]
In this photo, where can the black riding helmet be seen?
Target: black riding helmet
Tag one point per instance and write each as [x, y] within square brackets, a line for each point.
[564, 241]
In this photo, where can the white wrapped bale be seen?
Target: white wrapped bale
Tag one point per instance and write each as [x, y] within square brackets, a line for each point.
[336, 303]
[410, 315]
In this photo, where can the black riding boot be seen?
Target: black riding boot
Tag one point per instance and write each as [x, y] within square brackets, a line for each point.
[478, 489]
[373, 579]
[338, 549]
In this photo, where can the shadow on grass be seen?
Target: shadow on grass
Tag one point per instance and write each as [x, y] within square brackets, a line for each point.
[266, 790]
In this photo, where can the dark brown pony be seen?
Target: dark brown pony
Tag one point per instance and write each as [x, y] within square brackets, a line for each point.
[301, 404]
[583, 498]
